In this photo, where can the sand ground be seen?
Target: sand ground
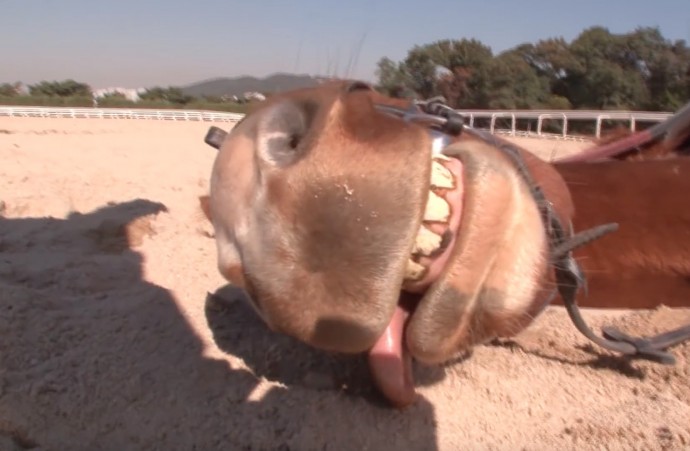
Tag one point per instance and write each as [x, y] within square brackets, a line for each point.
[110, 340]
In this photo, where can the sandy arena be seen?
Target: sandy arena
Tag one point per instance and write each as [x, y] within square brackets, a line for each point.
[109, 339]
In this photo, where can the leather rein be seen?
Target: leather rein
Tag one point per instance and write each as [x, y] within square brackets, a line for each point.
[444, 123]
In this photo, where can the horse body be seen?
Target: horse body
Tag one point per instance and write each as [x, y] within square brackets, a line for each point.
[643, 186]
[646, 263]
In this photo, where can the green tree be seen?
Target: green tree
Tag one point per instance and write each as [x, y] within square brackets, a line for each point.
[456, 69]
[469, 64]
[392, 78]
[65, 88]
[114, 99]
[551, 57]
[115, 96]
[664, 65]
[421, 72]
[514, 84]
[605, 77]
[553, 61]
[170, 94]
[598, 69]
[9, 89]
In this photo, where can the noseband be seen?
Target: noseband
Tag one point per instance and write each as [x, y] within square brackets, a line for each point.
[444, 124]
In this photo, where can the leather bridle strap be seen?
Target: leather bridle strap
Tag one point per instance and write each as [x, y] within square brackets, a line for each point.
[569, 276]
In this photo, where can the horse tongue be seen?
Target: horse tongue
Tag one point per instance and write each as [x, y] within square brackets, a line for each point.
[391, 365]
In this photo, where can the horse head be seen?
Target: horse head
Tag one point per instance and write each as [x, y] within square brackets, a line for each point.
[355, 230]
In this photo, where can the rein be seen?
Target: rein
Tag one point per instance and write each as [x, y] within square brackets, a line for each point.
[668, 130]
[444, 124]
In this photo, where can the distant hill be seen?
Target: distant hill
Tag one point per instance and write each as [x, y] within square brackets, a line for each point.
[239, 85]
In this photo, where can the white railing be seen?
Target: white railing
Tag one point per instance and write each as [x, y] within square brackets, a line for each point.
[120, 113]
[564, 116]
[543, 135]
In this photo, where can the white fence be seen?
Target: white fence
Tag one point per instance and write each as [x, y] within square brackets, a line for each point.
[564, 116]
[120, 113]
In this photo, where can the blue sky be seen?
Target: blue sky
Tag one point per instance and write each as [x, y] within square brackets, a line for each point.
[134, 43]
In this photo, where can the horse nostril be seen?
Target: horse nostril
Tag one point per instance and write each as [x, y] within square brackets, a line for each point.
[279, 133]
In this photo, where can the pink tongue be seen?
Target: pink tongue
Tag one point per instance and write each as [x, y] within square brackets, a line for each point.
[391, 365]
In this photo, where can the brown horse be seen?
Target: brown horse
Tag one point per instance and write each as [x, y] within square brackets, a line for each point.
[355, 223]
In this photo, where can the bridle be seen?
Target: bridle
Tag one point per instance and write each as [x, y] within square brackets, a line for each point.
[444, 124]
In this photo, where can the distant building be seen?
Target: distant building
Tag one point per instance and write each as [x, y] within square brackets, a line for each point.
[131, 94]
[245, 98]
[21, 89]
[249, 96]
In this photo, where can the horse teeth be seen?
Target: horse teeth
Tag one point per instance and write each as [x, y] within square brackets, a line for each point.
[441, 177]
[414, 271]
[427, 242]
[437, 209]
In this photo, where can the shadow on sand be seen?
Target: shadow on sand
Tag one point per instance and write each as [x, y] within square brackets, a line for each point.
[93, 356]
[237, 330]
